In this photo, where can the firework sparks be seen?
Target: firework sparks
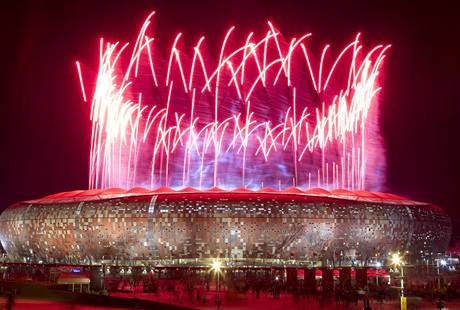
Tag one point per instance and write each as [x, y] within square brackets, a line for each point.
[263, 115]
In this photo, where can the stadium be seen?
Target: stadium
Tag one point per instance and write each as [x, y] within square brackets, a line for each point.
[189, 227]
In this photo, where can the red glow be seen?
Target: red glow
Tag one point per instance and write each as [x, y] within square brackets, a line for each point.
[172, 140]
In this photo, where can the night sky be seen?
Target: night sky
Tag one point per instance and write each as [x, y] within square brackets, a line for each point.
[45, 127]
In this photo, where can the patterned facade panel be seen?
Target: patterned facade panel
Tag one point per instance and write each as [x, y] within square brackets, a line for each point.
[205, 225]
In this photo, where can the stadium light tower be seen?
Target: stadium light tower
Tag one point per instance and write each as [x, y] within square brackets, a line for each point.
[216, 267]
[397, 261]
[378, 265]
[441, 263]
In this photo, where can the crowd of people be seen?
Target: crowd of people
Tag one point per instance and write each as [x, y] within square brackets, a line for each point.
[199, 286]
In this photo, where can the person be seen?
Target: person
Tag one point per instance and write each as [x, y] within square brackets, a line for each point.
[366, 303]
[10, 301]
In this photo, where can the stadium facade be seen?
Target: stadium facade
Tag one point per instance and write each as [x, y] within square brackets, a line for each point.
[190, 227]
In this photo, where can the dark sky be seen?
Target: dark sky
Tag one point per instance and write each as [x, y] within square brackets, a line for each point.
[45, 126]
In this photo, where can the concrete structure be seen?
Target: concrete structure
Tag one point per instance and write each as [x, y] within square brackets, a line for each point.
[190, 227]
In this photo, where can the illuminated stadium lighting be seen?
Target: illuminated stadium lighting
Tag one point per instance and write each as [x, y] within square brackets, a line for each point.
[216, 266]
[396, 259]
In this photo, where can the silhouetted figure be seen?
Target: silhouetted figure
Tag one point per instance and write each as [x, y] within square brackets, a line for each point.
[367, 306]
[10, 301]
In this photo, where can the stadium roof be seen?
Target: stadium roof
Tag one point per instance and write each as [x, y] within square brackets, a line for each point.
[342, 194]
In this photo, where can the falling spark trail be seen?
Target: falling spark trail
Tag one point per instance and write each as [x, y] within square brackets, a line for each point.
[81, 81]
[267, 112]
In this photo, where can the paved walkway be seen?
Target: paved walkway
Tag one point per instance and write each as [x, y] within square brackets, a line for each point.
[286, 302]
[26, 304]
[266, 302]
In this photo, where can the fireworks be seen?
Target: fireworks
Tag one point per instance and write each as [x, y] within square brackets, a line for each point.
[265, 111]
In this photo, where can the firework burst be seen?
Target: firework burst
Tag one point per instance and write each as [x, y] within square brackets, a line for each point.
[266, 111]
